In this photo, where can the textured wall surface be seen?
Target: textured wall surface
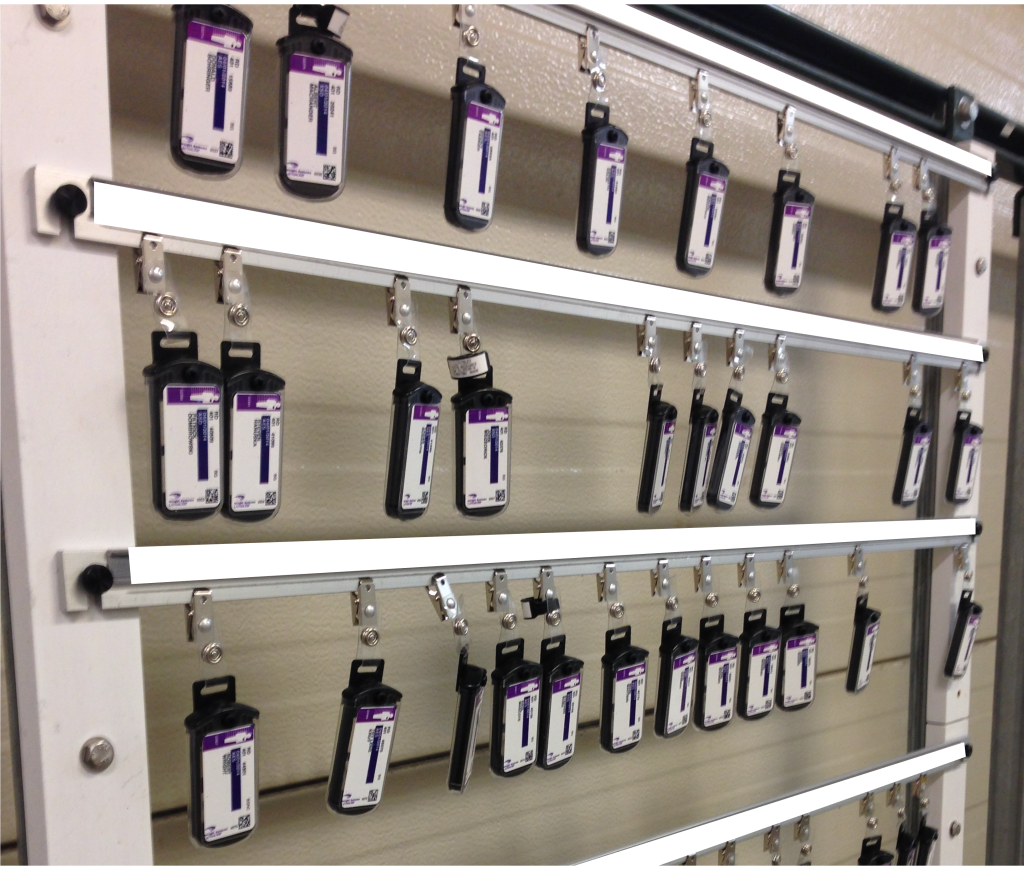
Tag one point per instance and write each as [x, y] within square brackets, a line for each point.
[580, 399]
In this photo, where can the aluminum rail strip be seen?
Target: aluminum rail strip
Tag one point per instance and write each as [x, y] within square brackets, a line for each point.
[638, 33]
[166, 574]
[201, 229]
[758, 819]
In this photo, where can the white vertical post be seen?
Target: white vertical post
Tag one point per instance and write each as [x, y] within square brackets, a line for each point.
[66, 478]
[965, 314]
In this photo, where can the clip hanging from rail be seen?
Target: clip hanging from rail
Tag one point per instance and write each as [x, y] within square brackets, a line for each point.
[449, 608]
[499, 600]
[544, 602]
[787, 133]
[201, 627]
[696, 351]
[402, 314]
[857, 564]
[923, 183]
[700, 104]
[661, 585]
[913, 378]
[892, 173]
[648, 345]
[469, 30]
[151, 273]
[746, 576]
[703, 582]
[778, 362]
[962, 387]
[727, 854]
[608, 592]
[594, 64]
[736, 354]
[364, 615]
[471, 361]
[802, 834]
[233, 292]
[773, 844]
[789, 575]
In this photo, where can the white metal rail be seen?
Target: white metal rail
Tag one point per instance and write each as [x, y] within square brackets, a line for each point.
[638, 33]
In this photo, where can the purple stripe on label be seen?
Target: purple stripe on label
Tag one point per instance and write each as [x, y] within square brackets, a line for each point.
[220, 94]
[714, 182]
[257, 402]
[743, 430]
[427, 413]
[973, 440]
[684, 660]
[631, 672]
[721, 656]
[801, 641]
[787, 431]
[482, 416]
[371, 769]
[940, 242]
[903, 239]
[611, 195]
[796, 211]
[236, 779]
[265, 449]
[315, 66]
[485, 114]
[974, 620]
[610, 152]
[228, 39]
[526, 722]
[872, 628]
[485, 154]
[923, 439]
[202, 444]
[670, 427]
[766, 648]
[567, 716]
[494, 455]
[425, 449]
[522, 688]
[378, 714]
[566, 683]
[198, 394]
[902, 264]
[229, 737]
[323, 109]
[712, 202]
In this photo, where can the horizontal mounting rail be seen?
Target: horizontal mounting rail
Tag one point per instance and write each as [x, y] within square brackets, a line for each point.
[758, 819]
[167, 574]
[653, 39]
[201, 229]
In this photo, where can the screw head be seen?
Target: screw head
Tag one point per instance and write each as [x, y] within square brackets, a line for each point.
[235, 285]
[872, 823]
[928, 194]
[466, 317]
[370, 611]
[404, 309]
[205, 625]
[966, 111]
[969, 575]
[793, 591]
[450, 603]
[55, 14]
[212, 653]
[754, 595]
[508, 622]
[965, 395]
[980, 265]
[955, 829]
[598, 80]
[617, 610]
[915, 390]
[470, 10]
[471, 342]
[97, 754]
[705, 117]
[472, 36]
[156, 273]
[555, 617]
[712, 600]
[738, 371]
[369, 636]
[792, 151]
[700, 370]
[782, 376]
[502, 597]
[409, 335]
[672, 603]
[166, 305]
[239, 315]
[461, 627]
[805, 850]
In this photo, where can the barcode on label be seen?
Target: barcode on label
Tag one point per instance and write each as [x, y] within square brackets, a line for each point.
[227, 149]
[244, 821]
[212, 494]
[271, 498]
[529, 756]
[374, 795]
[499, 496]
[485, 208]
[330, 173]
[226, 764]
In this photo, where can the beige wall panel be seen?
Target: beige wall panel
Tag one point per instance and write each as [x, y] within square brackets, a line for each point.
[8, 818]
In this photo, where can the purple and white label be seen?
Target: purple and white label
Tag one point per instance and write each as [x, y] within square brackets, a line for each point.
[485, 471]
[369, 751]
[317, 120]
[777, 467]
[190, 427]
[963, 656]
[970, 463]
[563, 713]
[680, 695]
[229, 783]
[480, 161]
[661, 466]
[609, 169]
[419, 458]
[796, 225]
[800, 669]
[735, 463]
[522, 712]
[867, 655]
[762, 674]
[256, 452]
[700, 485]
[720, 687]
[897, 269]
[628, 696]
[707, 219]
[935, 271]
[915, 466]
[213, 83]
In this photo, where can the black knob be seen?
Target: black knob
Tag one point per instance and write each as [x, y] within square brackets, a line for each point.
[70, 201]
[96, 579]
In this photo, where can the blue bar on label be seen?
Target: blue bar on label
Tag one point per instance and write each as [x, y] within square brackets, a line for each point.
[920, 462]
[805, 657]
[686, 687]
[220, 91]
[526, 721]
[265, 449]
[970, 466]
[739, 462]
[899, 277]
[371, 770]
[938, 276]
[567, 705]
[611, 192]
[323, 108]
[236, 779]
[485, 153]
[725, 684]
[202, 444]
[712, 200]
[766, 665]
[426, 453]
[632, 701]
[796, 243]
[494, 455]
[782, 463]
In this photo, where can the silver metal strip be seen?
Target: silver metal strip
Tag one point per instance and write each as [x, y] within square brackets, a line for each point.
[638, 33]
[199, 228]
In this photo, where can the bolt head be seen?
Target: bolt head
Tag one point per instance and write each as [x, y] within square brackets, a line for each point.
[156, 273]
[598, 80]
[450, 603]
[471, 342]
[97, 754]
[617, 610]
[370, 636]
[700, 370]
[965, 395]
[805, 850]
[872, 823]
[966, 111]
[923, 802]
[915, 390]
[235, 285]
[782, 376]
[792, 151]
[205, 625]
[928, 194]
[738, 371]
[212, 653]
[461, 627]
[166, 305]
[955, 829]
[793, 591]
[712, 600]
[409, 335]
[466, 317]
[554, 617]
[55, 14]
[705, 118]
[370, 611]
[754, 595]
[980, 265]
[502, 597]
[969, 575]
[470, 10]
[508, 622]
[472, 36]
[239, 315]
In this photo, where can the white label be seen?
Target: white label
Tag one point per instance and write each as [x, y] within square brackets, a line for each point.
[867, 655]
[191, 436]
[480, 161]
[779, 463]
[700, 486]
[720, 687]
[229, 783]
[522, 711]
[562, 717]
[935, 272]
[735, 462]
[707, 218]
[485, 475]
[967, 474]
[796, 225]
[628, 696]
[963, 657]
[369, 752]
[419, 457]
[915, 467]
[897, 269]
[211, 110]
[255, 451]
[315, 141]
[801, 664]
[762, 675]
[680, 696]
[604, 209]
[661, 467]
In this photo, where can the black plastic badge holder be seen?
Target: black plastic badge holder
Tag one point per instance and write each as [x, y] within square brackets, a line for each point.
[760, 646]
[513, 674]
[240, 366]
[917, 440]
[415, 412]
[866, 622]
[706, 183]
[661, 417]
[469, 685]
[470, 91]
[621, 656]
[894, 270]
[230, 730]
[677, 674]
[559, 704]
[699, 453]
[366, 701]
[604, 165]
[216, 16]
[734, 437]
[775, 453]
[871, 853]
[478, 393]
[787, 243]
[176, 362]
[965, 631]
[805, 658]
[717, 673]
[933, 247]
[965, 459]
[311, 42]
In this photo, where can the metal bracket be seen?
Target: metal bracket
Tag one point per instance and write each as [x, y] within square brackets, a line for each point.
[787, 570]
[914, 378]
[201, 627]
[736, 352]
[727, 854]
[962, 559]
[856, 563]
[867, 805]
[152, 268]
[402, 314]
[545, 599]
[648, 345]
[892, 171]
[802, 829]
[608, 591]
[364, 614]
[661, 585]
[592, 59]
[465, 20]
[463, 322]
[447, 606]
[773, 844]
[778, 359]
[702, 576]
[700, 98]
[963, 381]
[696, 350]
[745, 572]
[499, 599]
[923, 183]
[787, 132]
[233, 292]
